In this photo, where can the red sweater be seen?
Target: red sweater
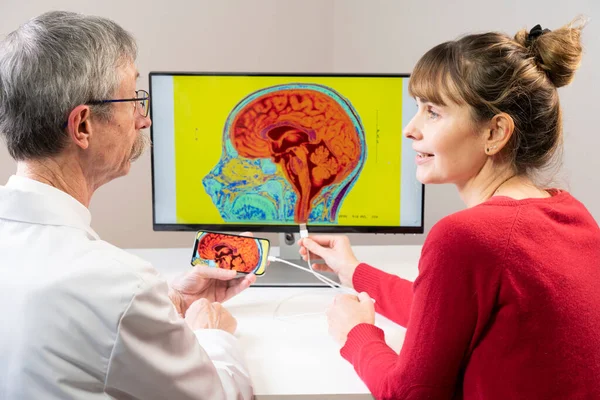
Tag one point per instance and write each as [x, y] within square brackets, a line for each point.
[506, 306]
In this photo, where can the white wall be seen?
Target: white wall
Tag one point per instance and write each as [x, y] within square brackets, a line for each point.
[390, 36]
[321, 36]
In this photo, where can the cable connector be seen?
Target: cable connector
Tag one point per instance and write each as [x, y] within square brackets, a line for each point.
[303, 231]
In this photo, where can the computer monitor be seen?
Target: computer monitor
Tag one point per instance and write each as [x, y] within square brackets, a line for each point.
[265, 152]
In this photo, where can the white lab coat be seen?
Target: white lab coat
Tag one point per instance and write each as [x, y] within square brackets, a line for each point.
[82, 319]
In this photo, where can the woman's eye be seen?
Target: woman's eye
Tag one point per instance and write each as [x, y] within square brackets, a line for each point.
[432, 114]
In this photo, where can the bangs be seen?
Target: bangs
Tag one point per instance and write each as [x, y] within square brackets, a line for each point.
[434, 78]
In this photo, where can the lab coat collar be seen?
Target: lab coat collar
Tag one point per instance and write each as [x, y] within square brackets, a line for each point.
[27, 200]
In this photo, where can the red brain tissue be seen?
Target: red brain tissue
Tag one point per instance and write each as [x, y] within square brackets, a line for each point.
[229, 252]
[305, 131]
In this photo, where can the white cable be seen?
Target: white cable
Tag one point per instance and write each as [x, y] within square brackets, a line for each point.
[322, 278]
[329, 282]
[288, 318]
[319, 276]
[333, 284]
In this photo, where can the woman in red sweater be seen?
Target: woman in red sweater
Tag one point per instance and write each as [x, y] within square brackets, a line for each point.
[507, 301]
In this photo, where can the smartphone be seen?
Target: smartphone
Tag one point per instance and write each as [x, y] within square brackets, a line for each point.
[243, 254]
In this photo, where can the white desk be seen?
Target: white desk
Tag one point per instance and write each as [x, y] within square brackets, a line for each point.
[291, 356]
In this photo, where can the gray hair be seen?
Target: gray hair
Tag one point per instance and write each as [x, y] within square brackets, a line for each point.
[50, 65]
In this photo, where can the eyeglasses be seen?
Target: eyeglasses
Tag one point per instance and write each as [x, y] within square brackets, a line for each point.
[142, 101]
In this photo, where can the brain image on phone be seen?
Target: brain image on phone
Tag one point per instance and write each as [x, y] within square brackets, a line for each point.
[240, 253]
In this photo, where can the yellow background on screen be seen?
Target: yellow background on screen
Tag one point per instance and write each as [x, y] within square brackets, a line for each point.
[203, 103]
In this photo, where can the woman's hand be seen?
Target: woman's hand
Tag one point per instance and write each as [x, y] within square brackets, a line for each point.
[335, 251]
[346, 312]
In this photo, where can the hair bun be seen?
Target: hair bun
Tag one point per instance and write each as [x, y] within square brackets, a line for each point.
[557, 53]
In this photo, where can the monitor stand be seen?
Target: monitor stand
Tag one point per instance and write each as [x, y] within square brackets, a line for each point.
[279, 274]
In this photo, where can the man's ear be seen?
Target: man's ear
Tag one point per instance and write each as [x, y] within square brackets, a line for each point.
[501, 129]
[79, 127]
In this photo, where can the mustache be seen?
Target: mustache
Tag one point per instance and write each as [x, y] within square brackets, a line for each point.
[142, 142]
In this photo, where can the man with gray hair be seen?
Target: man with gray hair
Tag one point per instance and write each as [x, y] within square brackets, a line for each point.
[82, 319]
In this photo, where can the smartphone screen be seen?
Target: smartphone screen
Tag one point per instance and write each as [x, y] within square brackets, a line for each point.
[241, 253]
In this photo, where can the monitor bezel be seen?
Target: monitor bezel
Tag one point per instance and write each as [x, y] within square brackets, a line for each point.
[272, 228]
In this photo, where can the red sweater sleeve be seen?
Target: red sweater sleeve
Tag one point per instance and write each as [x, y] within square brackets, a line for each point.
[452, 300]
[379, 285]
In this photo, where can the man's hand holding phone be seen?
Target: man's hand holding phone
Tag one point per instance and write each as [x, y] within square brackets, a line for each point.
[212, 284]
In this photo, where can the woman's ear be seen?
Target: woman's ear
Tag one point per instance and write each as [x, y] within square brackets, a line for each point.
[501, 129]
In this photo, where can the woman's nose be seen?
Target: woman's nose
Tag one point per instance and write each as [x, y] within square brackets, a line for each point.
[411, 131]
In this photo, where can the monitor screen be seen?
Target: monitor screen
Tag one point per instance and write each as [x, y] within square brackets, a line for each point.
[266, 152]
